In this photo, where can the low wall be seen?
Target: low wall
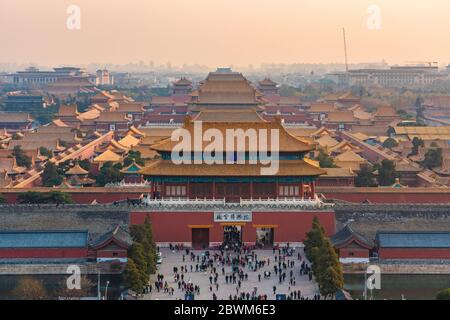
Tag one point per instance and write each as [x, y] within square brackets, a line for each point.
[387, 195]
[348, 194]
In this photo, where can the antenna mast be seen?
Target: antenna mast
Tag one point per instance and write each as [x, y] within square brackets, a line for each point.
[345, 50]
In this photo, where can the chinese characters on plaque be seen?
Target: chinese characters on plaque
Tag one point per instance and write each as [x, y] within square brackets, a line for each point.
[232, 217]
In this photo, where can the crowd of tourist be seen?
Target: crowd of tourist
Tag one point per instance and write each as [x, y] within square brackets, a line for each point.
[233, 265]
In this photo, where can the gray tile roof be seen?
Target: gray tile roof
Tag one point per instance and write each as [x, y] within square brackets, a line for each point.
[413, 239]
[43, 239]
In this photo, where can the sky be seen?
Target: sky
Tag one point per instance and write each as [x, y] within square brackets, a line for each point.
[224, 32]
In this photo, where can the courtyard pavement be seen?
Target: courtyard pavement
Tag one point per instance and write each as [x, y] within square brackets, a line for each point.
[173, 259]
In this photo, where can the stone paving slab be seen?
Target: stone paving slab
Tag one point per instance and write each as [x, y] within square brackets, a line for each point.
[172, 259]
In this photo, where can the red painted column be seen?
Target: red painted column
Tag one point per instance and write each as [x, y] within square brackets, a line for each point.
[313, 189]
[302, 190]
[277, 192]
[188, 189]
[153, 188]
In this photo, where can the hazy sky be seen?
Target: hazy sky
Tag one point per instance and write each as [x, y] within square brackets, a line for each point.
[223, 32]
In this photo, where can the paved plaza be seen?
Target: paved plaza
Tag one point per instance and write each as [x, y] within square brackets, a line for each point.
[173, 259]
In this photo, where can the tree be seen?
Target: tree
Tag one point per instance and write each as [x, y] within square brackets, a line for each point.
[58, 197]
[143, 234]
[45, 152]
[86, 287]
[390, 143]
[419, 109]
[417, 143]
[50, 176]
[325, 161]
[2, 199]
[443, 294]
[365, 177]
[137, 254]
[326, 267]
[387, 173]
[433, 158]
[34, 197]
[29, 288]
[21, 158]
[132, 278]
[314, 239]
[133, 156]
[331, 281]
[109, 173]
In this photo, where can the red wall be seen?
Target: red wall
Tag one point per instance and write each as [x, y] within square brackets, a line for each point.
[413, 253]
[291, 226]
[357, 253]
[378, 195]
[43, 253]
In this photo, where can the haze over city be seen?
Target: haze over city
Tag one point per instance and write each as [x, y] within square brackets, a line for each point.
[231, 32]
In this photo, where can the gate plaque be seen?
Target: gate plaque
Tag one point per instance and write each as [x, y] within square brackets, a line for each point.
[232, 217]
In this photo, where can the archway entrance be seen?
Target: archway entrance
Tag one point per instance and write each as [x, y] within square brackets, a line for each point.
[232, 236]
[200, 238]
[265, 237]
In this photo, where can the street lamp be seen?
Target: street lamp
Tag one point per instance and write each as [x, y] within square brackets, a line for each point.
[106, 290]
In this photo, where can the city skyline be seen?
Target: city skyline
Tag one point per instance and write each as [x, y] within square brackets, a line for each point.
[224, 32]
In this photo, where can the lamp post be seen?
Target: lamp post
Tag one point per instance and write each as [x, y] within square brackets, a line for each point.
[106, 290]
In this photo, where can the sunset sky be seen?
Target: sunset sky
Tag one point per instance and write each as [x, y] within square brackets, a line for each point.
[223, 32]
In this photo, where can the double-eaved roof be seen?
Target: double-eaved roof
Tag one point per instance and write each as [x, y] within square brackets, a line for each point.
[287, 142]
[287, 168]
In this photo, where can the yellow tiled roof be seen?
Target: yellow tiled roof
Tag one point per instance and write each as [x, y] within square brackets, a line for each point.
[108, 155]
[129, 141]
[286, 168]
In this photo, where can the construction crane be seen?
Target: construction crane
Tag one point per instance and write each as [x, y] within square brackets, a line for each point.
[345, 50]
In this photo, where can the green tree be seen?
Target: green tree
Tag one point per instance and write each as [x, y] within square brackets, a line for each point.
[133, 156]
[332, 281]
[29, 288]
[443, 294]
[326, 267]
[314, 239]
[365, 177]
[132, 278]
[137, 254]
[143, 234]
[387, 173]
[325, 161]
[50, 176]
[419, 109]
[45, 152]
[433, 158]
[34, 197]
[58, 197]
[390, 143]
[417, 143]
[109, 173]
[2, 199]
[21, 158]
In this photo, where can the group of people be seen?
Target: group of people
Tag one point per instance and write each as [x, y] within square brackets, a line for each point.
[231, 266]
